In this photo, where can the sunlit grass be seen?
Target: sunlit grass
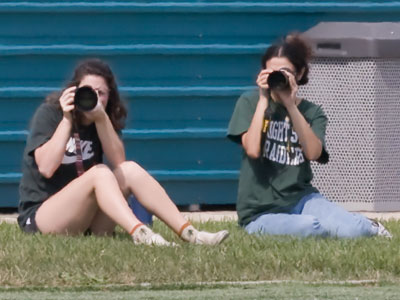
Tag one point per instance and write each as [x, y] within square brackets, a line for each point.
[43, 261]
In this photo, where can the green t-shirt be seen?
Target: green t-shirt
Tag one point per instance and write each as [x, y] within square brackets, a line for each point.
[34, 188]
[275, 182]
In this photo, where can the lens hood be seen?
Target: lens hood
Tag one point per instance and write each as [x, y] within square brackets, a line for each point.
[278, 80]
[85, 98]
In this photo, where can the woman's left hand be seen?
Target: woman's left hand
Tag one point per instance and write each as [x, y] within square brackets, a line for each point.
[289, 97]
[96, 114]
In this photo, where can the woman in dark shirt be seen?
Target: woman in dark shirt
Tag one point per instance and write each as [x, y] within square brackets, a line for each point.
[65, 188]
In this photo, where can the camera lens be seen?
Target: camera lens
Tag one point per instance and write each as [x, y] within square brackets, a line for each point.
[278, 80]
[85, 98]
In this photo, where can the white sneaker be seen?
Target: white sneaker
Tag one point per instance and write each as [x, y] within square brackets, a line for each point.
[382, 231]
[192, 235]
[207, 238]
[145, 236]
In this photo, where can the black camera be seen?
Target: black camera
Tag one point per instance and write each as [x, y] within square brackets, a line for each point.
[85, 98]
[278, 81]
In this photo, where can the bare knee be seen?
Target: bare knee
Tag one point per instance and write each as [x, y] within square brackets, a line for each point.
[129, 172]
[100, 174]
[132, 170]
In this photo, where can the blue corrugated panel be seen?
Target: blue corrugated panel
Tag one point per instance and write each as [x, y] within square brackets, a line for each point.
[180, 65]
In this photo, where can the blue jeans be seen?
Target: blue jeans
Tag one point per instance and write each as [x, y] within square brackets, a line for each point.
[314, 215]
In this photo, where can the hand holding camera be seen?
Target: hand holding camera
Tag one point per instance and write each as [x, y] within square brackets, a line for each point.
[282, 85]
[83, 99]
[288, 92]
[67, 102]
[278, 81]
[87, 101]
[262, 84]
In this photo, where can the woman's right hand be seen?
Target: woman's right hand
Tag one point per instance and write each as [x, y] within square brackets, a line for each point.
[262, 82]
[67, 102]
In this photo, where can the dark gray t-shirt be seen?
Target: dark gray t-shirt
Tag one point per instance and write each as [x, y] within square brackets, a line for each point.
[34, 189]
[275, 182]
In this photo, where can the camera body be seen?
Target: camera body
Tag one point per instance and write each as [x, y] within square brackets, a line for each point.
[279, 81]
[85, 98]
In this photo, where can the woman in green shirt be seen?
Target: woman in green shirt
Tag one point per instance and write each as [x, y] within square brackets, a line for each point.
[280, 134]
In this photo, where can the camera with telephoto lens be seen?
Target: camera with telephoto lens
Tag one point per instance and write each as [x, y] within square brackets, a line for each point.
[85, 98]
[278, 81]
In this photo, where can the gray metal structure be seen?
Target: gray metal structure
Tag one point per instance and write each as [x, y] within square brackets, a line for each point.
[355, 76]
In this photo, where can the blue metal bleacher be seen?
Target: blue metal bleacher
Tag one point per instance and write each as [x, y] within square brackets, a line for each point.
[180, 66]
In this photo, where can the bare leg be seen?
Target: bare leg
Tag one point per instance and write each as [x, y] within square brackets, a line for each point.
[133, 178]
[102, 224]
[73, 209]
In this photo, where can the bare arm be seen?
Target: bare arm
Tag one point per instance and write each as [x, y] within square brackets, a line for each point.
[112, 145]
[49, 156]
[311, 144]
[251, 140]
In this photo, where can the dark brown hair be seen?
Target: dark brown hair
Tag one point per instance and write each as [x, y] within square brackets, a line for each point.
[296, 49]
[115, 108]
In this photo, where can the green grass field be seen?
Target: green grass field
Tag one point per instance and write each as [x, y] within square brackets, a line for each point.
[49, 267]
[261, 291]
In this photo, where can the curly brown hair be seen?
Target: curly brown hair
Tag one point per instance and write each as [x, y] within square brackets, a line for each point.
[115, 109]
